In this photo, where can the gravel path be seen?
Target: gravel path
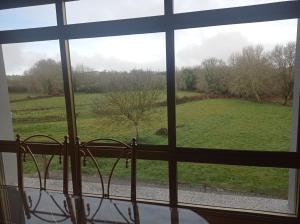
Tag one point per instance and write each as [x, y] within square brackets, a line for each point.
[156, 192]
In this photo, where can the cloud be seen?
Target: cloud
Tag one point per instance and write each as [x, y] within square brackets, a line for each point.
[28, 17]
[219, 46]
[100, 63]
[194, 45]
[20, 57]
[198, 5]
[16, 60]
[99, 54]
[100, 10]
[145, 51]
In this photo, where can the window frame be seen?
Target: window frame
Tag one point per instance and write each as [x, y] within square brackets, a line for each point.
[167, 23]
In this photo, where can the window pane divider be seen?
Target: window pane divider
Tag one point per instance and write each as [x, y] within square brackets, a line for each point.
[69, 98]
[171, 105]
[153, 24]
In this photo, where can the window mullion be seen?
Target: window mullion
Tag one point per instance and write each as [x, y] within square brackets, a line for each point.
[171, 103]
[69, 97]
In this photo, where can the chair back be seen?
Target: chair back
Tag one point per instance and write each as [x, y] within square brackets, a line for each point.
[123, 150]
[28, 147]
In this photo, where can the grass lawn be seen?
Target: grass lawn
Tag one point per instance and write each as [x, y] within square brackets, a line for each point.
[212, 123]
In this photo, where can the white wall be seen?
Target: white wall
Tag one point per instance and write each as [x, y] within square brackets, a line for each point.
[9, 160]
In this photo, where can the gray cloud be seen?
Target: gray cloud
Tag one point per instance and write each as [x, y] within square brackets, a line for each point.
[100, 62]
[28, 17]
[220, 46]
[197, 5]
[98, 10]
[17, 60]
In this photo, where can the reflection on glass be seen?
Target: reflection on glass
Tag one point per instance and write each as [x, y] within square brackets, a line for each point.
[241, 187]
[28, 17]
[101, 10]
[196, 5]
[120, 88]
[35, 206]
[235, 87]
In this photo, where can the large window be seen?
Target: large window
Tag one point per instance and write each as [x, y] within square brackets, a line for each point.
[209, 89]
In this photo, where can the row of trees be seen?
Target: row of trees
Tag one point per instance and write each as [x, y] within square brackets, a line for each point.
[253, 74]
[45, 78]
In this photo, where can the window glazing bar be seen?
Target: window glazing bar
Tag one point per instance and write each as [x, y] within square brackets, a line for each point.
[171, 105]
[246, 14]
[69, 97]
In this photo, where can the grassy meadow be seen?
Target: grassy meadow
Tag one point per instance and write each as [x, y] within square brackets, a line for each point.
[210, 123]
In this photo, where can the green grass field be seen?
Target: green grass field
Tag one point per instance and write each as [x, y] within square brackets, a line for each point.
[211, 123]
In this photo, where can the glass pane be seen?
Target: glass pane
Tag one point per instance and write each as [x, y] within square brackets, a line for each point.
[120, 88]
[235, 87]
[37, 104]
[152, 180]
[196, 5]
[28, 17]
[241, 187]
[101, 10]
[35, 86]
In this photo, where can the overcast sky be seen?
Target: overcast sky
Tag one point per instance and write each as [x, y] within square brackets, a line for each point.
[146, 51]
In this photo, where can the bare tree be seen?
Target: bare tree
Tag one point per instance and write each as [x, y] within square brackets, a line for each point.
[251, 71]
[136, 95]
[283, 60]
[216, 76]
[44, 77]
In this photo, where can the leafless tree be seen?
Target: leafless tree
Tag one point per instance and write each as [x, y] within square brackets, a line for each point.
[44, 77]
[282, 58]
[136, 95]
[216, 76]
[251, 72]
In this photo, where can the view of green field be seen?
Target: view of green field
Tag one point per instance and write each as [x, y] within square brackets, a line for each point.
[213, 123]
[241, 101]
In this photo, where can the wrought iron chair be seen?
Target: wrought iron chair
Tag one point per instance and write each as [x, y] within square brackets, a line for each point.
[123, 150]
[25, 147]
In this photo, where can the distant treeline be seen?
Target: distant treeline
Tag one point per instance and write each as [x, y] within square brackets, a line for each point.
[253, 73]
[45, 78]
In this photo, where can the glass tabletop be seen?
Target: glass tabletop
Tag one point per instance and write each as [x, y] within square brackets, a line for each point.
[33, 206]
